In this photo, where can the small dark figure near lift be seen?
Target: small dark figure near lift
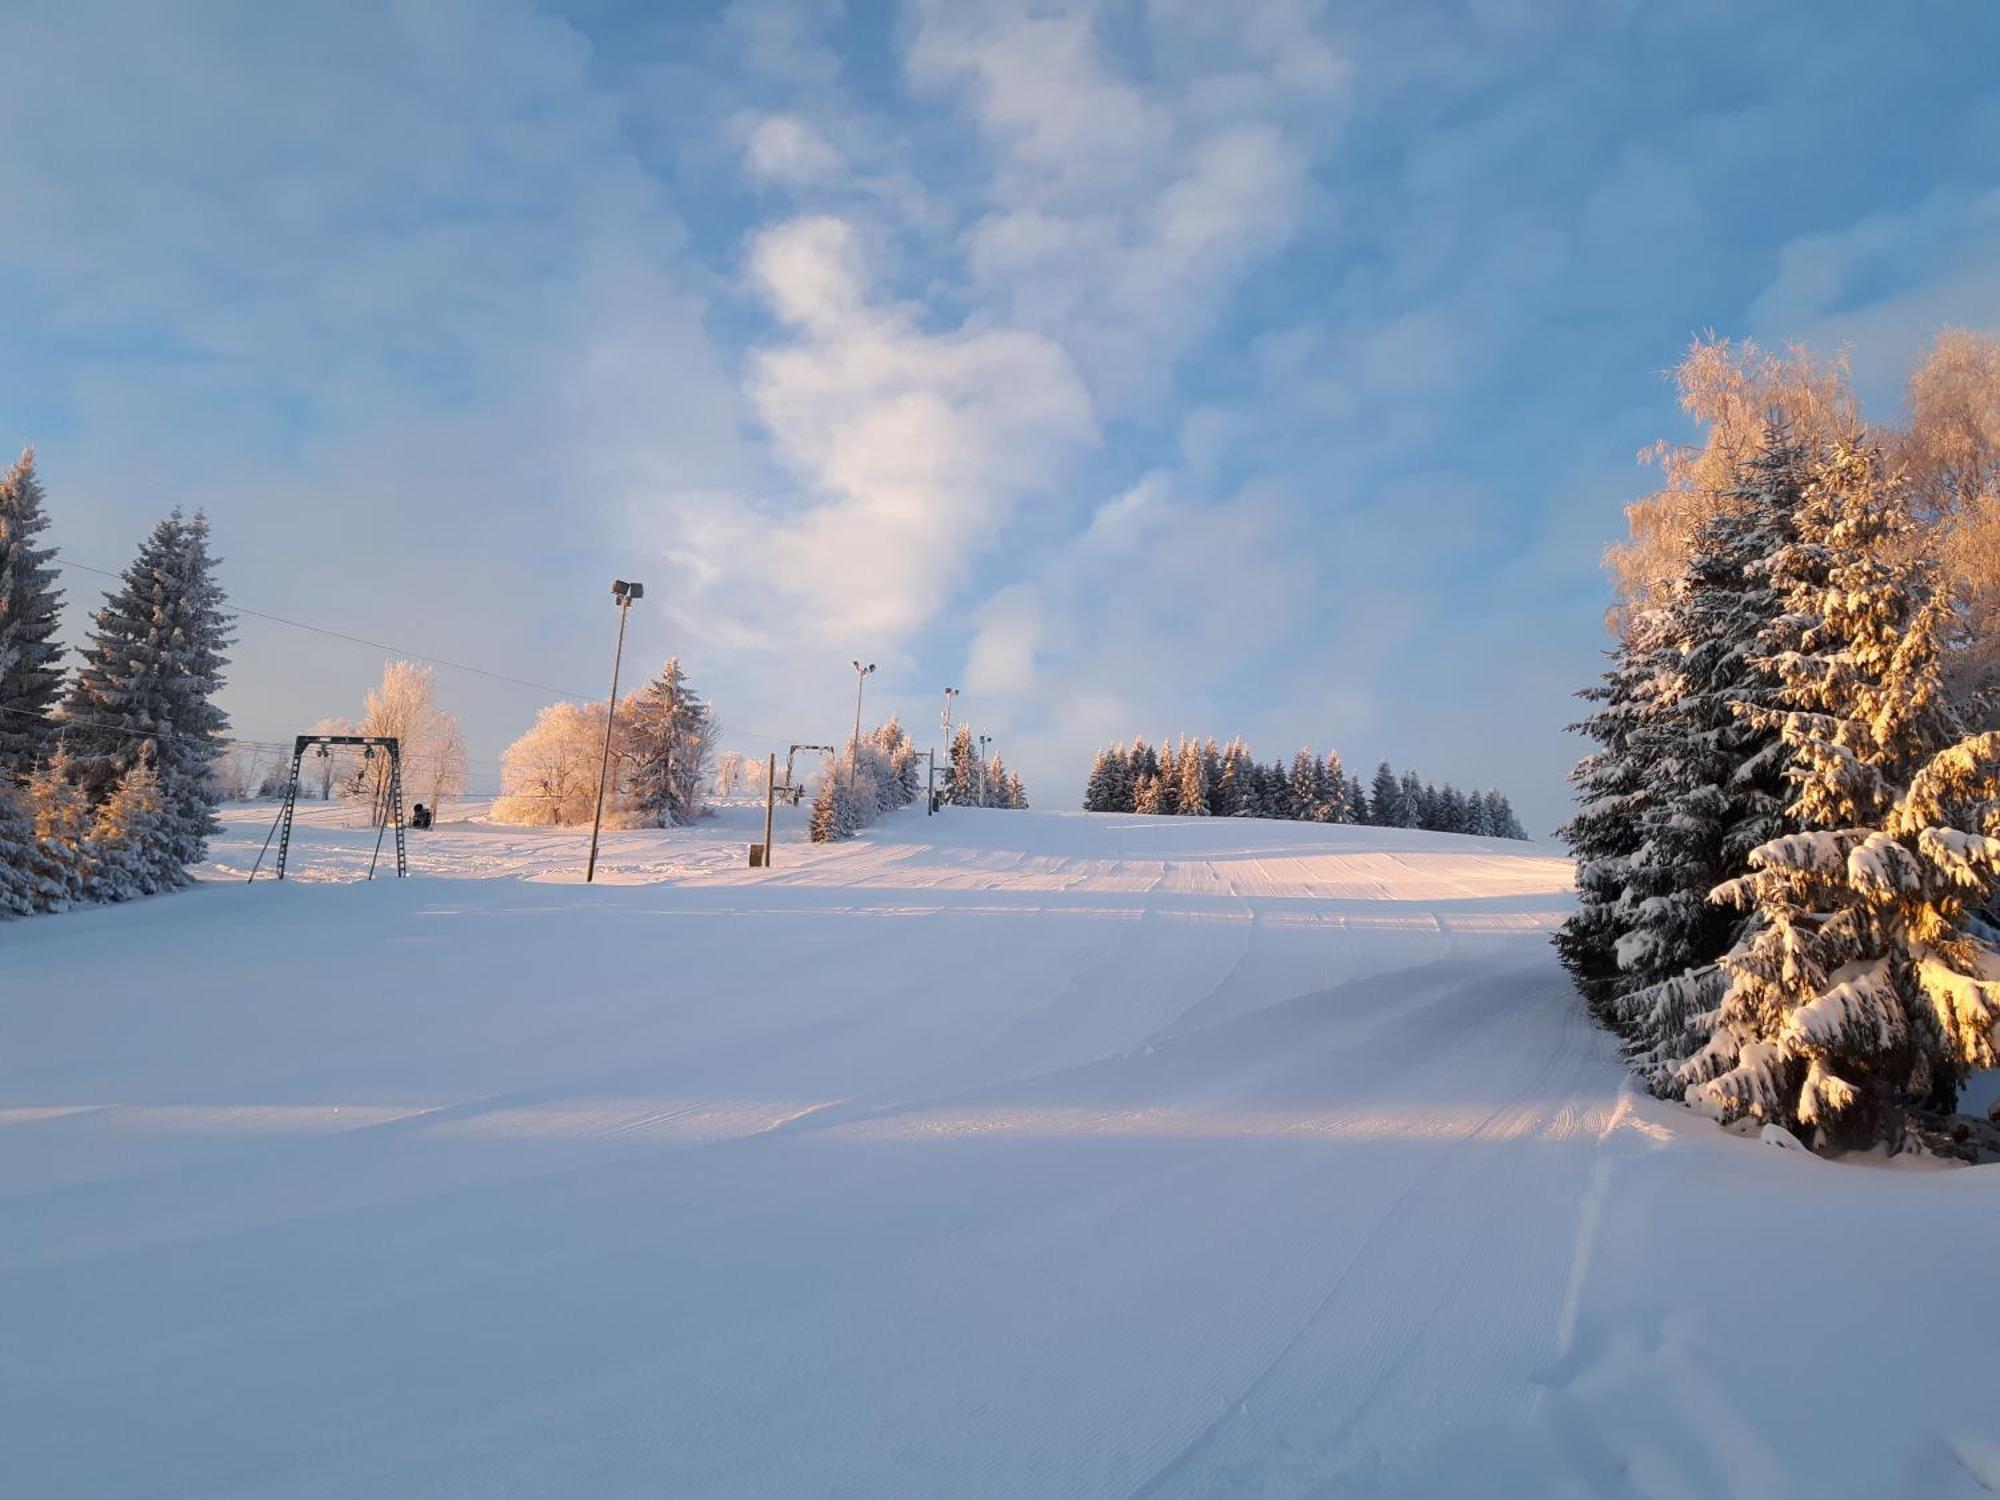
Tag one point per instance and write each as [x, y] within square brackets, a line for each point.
[420, 816]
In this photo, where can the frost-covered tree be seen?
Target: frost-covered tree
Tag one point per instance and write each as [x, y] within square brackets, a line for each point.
[19, 892]
[1100, 792]
[1191, 801]
[61, 818]
[731, 773]
[1302, 786]
[1225, 794]
[127, 854]
[1385, 798]
[1614, 786]
[1866, 986]
[548, 777]
[1146, 793]
[872, 776]
[1716, 787]
[963, 787]
[30, 612]
[404, 707]
[1334, 806]
[668, 737]
[1170, 777]
[147, 686]
[1357, 801]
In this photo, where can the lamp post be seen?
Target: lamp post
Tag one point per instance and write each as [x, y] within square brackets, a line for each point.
[984, 741]
[855, 745]
[622, 594]
[944, 720]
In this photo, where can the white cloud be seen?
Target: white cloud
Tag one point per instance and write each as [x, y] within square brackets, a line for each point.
[911, 449]
[787, 150]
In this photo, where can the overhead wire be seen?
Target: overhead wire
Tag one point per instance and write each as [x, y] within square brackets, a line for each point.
[423, 656]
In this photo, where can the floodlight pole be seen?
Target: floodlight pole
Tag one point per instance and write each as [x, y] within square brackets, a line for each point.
[984, 741]
[624, 593]
[945, 720]
[854, 745]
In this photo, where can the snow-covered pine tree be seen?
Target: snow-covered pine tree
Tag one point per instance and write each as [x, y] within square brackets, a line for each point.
[1412, 800]
[963, 787]
[1716, 790]
[1226, 796]
[1385, 798]
[1332, 789]
[996, 781]
[668, 737]
[1302, 785]
[1613, 785]
[19, 853]
[1357, 801]
[61, 818]
[1170, 777]
[1100, 792]
[1451, 809]
[30, 611]
[1867, 987]
[147, 686]
[1146, 793]
[1192, 799]
[127, 853]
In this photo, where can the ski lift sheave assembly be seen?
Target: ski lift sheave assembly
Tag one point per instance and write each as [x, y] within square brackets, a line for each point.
[388, 807]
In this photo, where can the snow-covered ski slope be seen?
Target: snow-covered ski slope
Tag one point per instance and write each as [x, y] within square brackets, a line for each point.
[994, 1154]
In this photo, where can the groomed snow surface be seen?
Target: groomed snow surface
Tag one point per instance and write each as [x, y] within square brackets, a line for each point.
[994, 1154]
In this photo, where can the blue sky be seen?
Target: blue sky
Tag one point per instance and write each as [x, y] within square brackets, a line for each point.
[1274, 369]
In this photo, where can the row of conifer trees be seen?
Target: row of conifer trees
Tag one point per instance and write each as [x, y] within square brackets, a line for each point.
[105, 784]
[1195, 778]
[1786, 831]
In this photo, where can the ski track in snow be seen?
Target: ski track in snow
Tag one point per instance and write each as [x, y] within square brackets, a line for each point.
[994, 1154]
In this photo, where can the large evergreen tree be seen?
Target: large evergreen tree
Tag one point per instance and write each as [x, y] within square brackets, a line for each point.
[30, 611]
[1385, 798]
[19, 894]
[1716, 788]
[667, 738]
[146, 690]
[1866, 986]
[1614, 784]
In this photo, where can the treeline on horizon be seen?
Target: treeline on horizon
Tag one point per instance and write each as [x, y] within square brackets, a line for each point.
[1198, 778]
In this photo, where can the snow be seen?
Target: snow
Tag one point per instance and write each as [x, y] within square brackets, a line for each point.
[997, 1153]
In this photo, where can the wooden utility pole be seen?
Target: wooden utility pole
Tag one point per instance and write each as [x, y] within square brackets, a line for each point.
[770, 797]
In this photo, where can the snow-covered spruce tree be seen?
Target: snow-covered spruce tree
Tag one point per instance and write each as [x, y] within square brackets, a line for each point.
[963, 788]
[1385, 798]
[1412, 803]
[1192, 799]
[124, 857]
[1100, 791]
[668, 739]
[147, 686]
[1357, 801]
[19, 854]
[1716, 790]
[61, 826]
[1614, 784]
[1304, 786]
[1225, 795]
[30, 611]
[1334, 806]
[1866, 987]
[1017, 795]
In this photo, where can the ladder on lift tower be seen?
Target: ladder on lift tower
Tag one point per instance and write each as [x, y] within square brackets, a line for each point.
[391, 815]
